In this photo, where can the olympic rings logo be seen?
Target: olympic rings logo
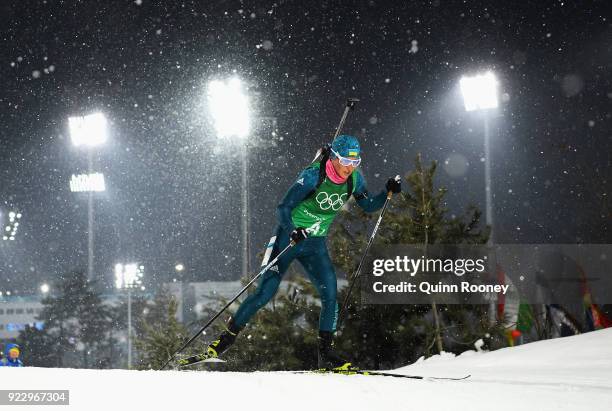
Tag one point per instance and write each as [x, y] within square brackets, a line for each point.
[333, 201]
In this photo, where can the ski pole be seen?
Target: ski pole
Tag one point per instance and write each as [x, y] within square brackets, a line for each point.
[350, 105]
[357, 272]
[214, 317]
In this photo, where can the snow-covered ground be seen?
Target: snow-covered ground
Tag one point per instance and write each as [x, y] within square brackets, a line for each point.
[573, 373]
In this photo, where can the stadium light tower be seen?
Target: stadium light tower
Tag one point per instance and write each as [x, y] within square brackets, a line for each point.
[229, 108]
[88, 131]
[480, 94]
[128, 276]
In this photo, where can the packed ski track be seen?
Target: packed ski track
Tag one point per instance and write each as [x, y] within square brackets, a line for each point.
[572, 373]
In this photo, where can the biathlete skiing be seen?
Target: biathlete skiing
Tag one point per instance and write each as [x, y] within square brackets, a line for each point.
[304, 217]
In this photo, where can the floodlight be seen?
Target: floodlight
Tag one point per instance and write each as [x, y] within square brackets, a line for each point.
[90, 130]
[229, 107]
[479, 92]
[128, 275]
[87, 183]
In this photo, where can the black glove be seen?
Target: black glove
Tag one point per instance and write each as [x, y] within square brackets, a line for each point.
[393, 185]
[299, 234]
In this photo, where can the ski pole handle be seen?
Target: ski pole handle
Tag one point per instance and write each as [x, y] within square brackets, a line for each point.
[397, 179]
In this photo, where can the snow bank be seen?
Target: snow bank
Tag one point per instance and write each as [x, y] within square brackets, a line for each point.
[573, 373]
[583, 360]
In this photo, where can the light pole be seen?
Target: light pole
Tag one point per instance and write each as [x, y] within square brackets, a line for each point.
[229, 107]
[89, 131]
[480, 94]
[179, 268]
[129, 276]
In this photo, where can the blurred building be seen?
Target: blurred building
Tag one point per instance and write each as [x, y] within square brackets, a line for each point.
[16, 312]
[195, 301]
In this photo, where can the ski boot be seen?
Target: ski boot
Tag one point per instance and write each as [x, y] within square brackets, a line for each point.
[215, 348]
[329, 359]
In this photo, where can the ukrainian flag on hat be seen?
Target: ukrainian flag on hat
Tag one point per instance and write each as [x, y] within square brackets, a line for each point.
[347, 146]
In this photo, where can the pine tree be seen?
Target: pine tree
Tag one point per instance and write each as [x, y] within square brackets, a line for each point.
[161, 333]
[76, 325]
[35, 345]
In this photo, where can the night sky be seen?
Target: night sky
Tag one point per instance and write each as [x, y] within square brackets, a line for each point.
[173, 190]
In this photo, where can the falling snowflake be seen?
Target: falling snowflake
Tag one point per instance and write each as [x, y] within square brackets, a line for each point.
[267, 45]
[414, 47]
